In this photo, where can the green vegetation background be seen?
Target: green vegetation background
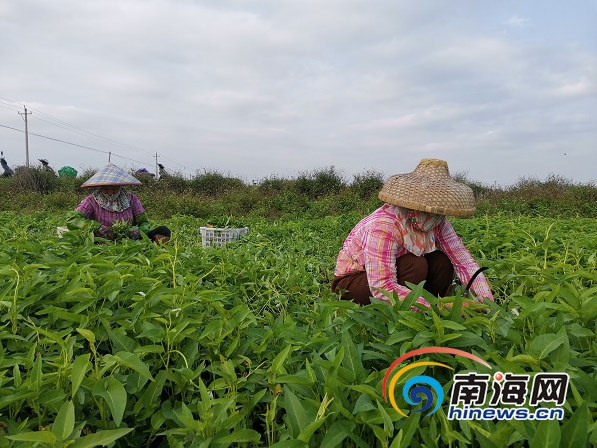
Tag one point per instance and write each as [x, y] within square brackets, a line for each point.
[246, 346]
[321, 192]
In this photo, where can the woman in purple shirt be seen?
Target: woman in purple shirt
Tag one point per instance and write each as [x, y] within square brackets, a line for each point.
[409, 239]
[109, 203]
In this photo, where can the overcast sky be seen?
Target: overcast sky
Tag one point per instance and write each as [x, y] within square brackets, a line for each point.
[255, 88]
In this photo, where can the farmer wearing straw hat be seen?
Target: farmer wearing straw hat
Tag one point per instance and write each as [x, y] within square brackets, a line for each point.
[109, 203]
[409, 239]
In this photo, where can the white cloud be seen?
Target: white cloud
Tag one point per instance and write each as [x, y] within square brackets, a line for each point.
[518, 21]
[579, 88]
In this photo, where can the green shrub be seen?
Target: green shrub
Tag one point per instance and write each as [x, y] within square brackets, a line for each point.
[368, 183]
[173, 182]
[316, 194]
[479, 190]
[145, 178]
[320, 182]
[34, 179]
[86, 174]
[552, 187]
[274, 185]
[213, 183]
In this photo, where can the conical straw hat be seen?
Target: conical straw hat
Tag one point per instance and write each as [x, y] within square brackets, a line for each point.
[110, 175]
[429, 188]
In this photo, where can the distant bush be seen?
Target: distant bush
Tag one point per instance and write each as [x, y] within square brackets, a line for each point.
[320, 182]
[316, 193]
[367, 184]
[34, 179]
[553, 186]
[62, 199]
[174, 182]
[274, 185]
[585, 193]
[69, 184]
[144, 178]
[479, 190]
[86, 174]
[213, 183]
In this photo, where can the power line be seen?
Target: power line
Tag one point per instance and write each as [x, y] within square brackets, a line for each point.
[80, 130]
[176, 163]
[10, 103]
[85, 133]
[9, 107]
[75, 144]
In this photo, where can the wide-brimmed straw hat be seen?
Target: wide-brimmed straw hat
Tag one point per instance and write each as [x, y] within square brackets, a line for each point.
[111, 175]
[429, 188]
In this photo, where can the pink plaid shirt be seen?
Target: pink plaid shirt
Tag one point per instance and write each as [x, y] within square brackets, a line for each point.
[91, 209]
[375, 243]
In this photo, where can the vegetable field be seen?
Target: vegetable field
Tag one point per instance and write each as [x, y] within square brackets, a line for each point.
[132, 344]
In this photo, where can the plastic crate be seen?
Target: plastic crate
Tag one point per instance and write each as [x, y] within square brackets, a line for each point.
[214, 236]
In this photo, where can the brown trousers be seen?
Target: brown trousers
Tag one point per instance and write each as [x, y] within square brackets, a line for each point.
[435, 268]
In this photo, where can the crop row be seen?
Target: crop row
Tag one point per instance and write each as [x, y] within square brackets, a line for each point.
[245, 345]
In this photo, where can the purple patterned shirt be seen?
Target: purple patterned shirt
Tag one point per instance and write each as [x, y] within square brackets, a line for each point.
[91, 209]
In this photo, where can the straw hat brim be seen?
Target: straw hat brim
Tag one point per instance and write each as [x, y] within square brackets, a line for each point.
[86, 185]
[429, 189]
[111, 175]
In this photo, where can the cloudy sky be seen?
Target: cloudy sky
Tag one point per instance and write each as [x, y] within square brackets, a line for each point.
[255, 88]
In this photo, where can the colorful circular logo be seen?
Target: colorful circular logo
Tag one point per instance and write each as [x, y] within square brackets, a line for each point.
[421, 388]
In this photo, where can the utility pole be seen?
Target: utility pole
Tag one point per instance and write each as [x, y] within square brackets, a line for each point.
[26, 135]
[157, 172]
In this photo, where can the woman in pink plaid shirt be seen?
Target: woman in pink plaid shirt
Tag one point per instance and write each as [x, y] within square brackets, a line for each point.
[109, 203]
[409, 239]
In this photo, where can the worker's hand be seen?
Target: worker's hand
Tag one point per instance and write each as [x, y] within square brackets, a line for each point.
[160, 239]
[105, 232]
[135, 233]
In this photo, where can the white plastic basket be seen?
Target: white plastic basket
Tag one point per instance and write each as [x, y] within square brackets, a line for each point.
[214, 236]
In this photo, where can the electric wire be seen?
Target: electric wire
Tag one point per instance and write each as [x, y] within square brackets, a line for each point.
[172, 161]
[9, 107]
[85, 135]
[81, 131]
[84, 132]
[75, 144]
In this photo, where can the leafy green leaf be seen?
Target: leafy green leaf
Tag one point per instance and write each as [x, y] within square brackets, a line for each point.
[65, 421]
[34, 436]
[363, 404]
[87, 334]
[100, 438]
[239, 436]
[295, 413]
[547, 435]
[132, 361]
[543, 344]
[352, 360]
[335, 435]
[278, 362]
[79, 369]
[575, 431]
[113, 392]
